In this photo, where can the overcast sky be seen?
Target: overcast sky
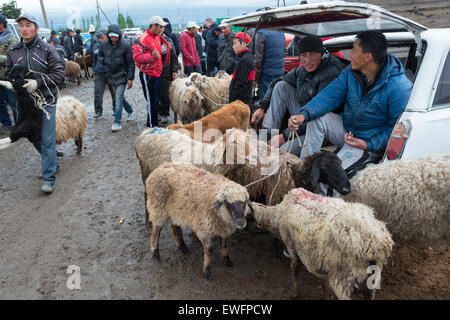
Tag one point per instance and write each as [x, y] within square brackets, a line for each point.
[62, 11]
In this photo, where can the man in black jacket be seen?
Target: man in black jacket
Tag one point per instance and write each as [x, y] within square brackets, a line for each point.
[33, 53]
[241, 85]
[290, 92]
[168, 32]
[69, 45]
[78, 42]
[116, 55]
[169, 73]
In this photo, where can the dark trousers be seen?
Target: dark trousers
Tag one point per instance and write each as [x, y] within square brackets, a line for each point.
[152, 90]
[189, 69]
[166, 79]
[100, 81]
[211, 65]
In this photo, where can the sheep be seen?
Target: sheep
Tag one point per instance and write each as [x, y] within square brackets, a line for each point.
[84, 61]
[208, 204]
[412, 197]
[185, 101]
[73, 70]
[215, 91]
[233, 115]
[335, 240]
[71, 121]
[155, 146]
[221, 74]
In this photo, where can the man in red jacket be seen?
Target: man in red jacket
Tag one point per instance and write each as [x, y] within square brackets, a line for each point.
[191, 60]
[150, 51]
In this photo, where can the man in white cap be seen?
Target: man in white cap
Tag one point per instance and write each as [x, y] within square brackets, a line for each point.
[225, 52]
[150, 51]
[191, 60]
[93, 39]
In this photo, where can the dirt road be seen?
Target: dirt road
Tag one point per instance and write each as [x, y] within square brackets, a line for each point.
[78, 225]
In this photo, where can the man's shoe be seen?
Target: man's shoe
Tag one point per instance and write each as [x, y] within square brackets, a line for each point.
[116, 127]
[130, 116]
[47, 187]
[286, 253]
[97, 115]
[164, 119]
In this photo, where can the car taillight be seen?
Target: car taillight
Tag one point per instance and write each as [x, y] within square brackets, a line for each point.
[398, 139]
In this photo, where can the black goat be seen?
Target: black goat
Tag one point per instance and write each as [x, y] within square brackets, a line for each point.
[29, 122]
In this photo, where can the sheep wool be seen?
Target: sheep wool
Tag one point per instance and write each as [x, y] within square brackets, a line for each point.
[73, 70]
[71, 121]
[412, 197]
[215, 90]
[185, 101]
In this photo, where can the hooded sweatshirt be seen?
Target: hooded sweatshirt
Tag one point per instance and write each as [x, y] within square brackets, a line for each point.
[168, 32]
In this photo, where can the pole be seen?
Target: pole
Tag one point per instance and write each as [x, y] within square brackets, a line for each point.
[44, 14]
[98, 15]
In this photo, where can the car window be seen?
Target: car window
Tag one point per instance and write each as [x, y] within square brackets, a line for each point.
[442, 96]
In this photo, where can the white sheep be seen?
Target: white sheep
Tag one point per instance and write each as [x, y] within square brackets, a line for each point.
[185, 101]
[155, 146]
[71, 121]
[335, 240]
[208, 204]
[412, 197]
[214, 90]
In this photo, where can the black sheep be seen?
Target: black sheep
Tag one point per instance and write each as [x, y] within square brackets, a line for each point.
[29, 122]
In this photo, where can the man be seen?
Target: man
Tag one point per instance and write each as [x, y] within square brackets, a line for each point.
[212, 61]
[225, 51]
[210, 26]
[93, 39]
[7, 38]
[20, 53]
[101, 77]
[191, 59]
[78, 42]
[69, 45]
[54, 37]
[169, 73]
[168, 32]
[241, 85]
[374, 90]
[148, 53]
[199, 47]
[59, 49]
[289, 93]
[269, 58]
[115, 54]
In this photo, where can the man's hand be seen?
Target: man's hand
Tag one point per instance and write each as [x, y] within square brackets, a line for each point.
[129, 84]
[277, 141]
[31, 85]
[258, 116]
[155, 54]
[174, 75]
[295, 121]
[355, 143]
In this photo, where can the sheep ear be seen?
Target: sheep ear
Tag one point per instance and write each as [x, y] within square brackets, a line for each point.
[250, 205]
[215, 205]
[315, 174]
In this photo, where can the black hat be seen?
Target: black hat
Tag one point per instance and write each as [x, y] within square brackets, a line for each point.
[311, 44]
[3, 20]
[53, 32]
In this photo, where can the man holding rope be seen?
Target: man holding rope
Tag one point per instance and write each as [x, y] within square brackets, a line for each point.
[46, 73]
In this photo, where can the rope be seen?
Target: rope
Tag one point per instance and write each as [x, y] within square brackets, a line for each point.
[226, 99]
[217, 104]
[38, 97]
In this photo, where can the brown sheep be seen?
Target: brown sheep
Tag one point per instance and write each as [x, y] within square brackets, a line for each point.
[73, 70]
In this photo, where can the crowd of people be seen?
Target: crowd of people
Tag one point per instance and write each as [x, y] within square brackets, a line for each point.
[353, 105]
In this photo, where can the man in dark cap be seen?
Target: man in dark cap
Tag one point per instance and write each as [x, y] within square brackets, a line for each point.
[69, 45]
[54, 37]
[287, 94]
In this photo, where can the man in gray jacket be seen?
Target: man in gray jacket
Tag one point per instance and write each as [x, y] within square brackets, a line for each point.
[116, 55]
[33, 53]
[225, 52]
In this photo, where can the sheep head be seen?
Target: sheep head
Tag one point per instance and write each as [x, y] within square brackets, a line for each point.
[236, 147]
[17, 75]
[324, 167]
[193, 98]
[233, 205]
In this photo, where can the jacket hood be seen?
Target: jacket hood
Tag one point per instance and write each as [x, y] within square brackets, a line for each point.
[168, 28]
[116, 29]
[392, 67]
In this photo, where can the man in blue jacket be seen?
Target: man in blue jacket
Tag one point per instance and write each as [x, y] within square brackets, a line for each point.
[374, 91]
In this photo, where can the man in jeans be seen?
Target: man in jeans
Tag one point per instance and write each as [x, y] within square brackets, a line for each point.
[31, 44]
[7, 38]
[116, 55]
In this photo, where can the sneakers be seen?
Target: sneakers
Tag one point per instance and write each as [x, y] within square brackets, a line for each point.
[164, 119]
[47, 187]
[130, 116]
[286, 253]
[97, 115]
[116, 127]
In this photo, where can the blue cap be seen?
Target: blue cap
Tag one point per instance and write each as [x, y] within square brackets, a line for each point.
[3, 20]
[27, 17]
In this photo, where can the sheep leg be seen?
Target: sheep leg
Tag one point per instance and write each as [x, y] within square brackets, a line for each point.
[327, 293]
[207, 259]
[154, 243]
[194, 237]
[225, 256]
[148, 223]
[79, 144]
[293, 292]
[178, 236]
[175, 117]
[276, 249]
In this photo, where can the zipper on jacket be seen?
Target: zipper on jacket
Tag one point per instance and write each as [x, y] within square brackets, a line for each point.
[42, 60]
[37, 61]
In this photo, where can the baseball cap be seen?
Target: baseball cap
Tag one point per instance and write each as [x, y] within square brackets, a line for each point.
[100, 32]
[192, 24]
[3, 20]
[223, 24]
[240, 35]
[27, 17]
[158, 20]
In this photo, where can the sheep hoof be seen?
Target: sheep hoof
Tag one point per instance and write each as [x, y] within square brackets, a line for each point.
[207, 274]
[156, 255]
[227, 261]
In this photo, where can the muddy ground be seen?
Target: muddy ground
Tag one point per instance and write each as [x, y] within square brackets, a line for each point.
[41, 236]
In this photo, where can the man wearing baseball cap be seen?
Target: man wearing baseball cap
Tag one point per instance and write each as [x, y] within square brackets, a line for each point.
[241, 85]
[191, 60]
[289, 93]
[225, 52]
[69, 45]
[36, 55]
[150, 51]
[7, 38]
